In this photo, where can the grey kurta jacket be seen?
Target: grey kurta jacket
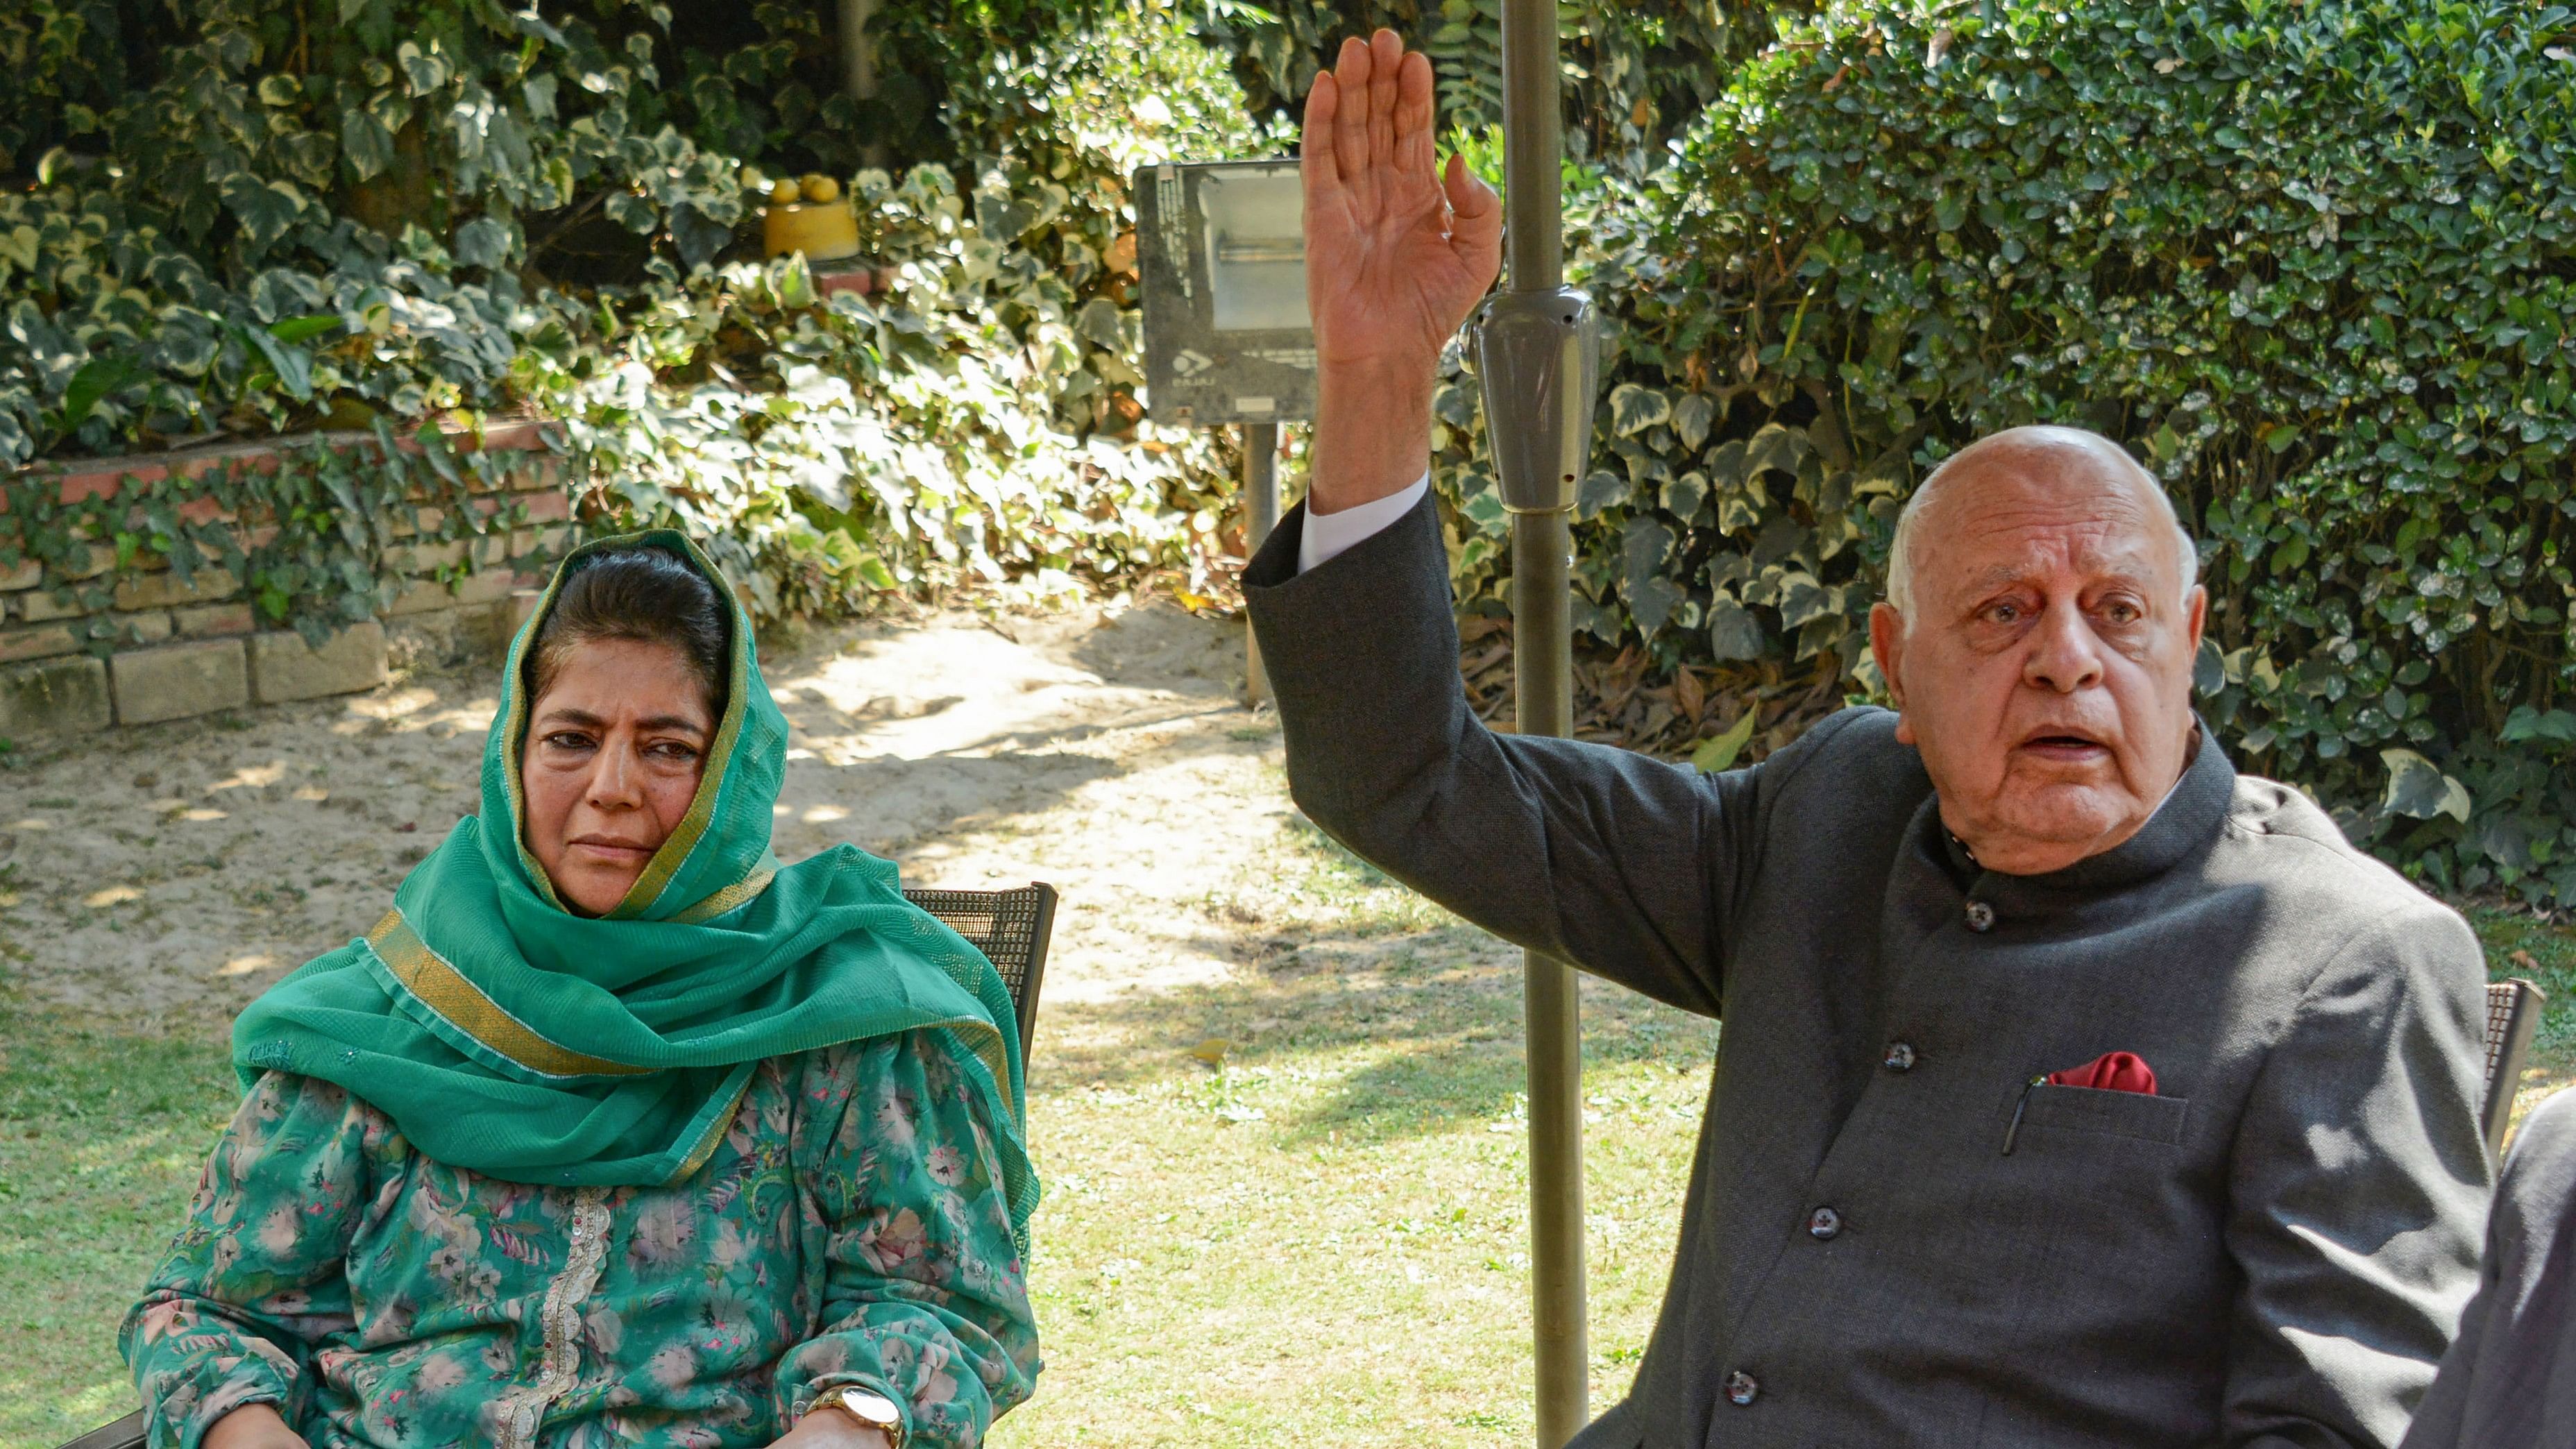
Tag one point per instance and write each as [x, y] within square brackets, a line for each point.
[2274, 1250]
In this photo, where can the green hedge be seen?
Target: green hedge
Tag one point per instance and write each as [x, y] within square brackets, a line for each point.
[2315, 264]
[450, 207]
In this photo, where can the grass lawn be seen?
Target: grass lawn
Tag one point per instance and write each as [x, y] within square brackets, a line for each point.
[1318, 1239]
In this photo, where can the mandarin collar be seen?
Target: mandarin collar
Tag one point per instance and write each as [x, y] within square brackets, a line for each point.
[2188, 818]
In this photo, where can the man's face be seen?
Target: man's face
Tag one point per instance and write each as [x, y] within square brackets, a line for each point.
[2046, 677]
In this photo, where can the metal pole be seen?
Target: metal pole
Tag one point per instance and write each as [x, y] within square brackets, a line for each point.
[1261, 509]
[1543, 673]
[1543, 665]
[859, 65]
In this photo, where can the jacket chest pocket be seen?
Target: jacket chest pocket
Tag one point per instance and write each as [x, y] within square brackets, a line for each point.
[2050, 1115]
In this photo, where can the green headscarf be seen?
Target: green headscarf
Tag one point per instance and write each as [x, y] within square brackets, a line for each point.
[505, 1035]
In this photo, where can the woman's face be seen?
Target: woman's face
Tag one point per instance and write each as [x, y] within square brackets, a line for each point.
[615, 748]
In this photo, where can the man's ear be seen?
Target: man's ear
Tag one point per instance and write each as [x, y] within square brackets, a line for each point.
[2195, 617]
[1887, 646]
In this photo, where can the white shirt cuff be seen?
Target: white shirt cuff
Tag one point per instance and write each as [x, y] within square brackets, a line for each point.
[1329, 534]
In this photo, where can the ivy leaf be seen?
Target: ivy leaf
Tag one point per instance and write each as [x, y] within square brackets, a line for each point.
[1601, 488]
[293, 365]
[1652, 601]
[1775, 447]
[423, 71]
[2418, 789]
[372, 20]
[1718, 751]
[265, 209]
[871, 568]
[2526, 723]
[697, 236]
[1633, 409]
[1733, 632]
[2209, 667]
[1644, 546]
[293, 330]
[632, 212]
[482, 242]
[1802, 598]
[96, 379]
[1683, 496]
[366, 142]
[1691, 418]
[1098, 320]
[280, 90]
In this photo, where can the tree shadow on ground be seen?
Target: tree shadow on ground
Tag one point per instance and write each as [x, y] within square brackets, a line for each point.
[1412, 1035]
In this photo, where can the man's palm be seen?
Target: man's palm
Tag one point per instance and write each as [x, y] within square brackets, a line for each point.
[1396, 254]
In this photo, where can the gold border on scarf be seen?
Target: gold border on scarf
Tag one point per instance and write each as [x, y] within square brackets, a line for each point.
[727, 899]
[684, 837]
[443, 989]
[514, 727]
[715, 1133]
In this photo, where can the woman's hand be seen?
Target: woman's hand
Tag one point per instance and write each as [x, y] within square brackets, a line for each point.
[1397, 254]
[825, 1429]
[253, 1426]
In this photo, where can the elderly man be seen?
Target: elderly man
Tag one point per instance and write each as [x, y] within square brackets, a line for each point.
[2076, 1090]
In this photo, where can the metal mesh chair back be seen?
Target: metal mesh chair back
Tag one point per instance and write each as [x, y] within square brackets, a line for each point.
[1011, 929]
[2513, 1014]
[125, 1433]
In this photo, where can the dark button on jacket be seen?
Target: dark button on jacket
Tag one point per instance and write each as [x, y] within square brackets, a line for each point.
[2271, 1253]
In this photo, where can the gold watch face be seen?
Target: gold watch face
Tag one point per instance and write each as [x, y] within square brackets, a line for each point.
[875, 1410]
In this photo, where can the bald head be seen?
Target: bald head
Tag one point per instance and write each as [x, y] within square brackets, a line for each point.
[2038, 641]
[2073, 459]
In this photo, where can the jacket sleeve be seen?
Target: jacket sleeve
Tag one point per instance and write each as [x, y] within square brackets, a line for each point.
[257, 1273]
[1622, 865]
[2359, 1189]
[925, 1299]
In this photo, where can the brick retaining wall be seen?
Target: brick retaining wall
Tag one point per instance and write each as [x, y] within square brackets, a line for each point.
[183, 650]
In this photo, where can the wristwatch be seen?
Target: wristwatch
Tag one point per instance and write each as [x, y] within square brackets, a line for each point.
[866, 1405]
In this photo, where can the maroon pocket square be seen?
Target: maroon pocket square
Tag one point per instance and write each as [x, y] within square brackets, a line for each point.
[2110, 1072]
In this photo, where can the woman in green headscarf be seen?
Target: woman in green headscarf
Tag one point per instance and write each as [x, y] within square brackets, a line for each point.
[614, 1130]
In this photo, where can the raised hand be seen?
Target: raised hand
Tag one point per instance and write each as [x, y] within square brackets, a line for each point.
[1397, 253]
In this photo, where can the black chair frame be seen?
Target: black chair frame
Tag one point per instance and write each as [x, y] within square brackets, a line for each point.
[2513, 1015]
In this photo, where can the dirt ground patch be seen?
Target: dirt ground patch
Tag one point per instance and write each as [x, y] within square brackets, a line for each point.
[170, 874]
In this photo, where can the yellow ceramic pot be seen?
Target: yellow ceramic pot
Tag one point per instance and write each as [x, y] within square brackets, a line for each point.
[823, 231]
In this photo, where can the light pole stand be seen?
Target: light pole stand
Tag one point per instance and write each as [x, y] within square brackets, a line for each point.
[1261, 514]
[1538, 357]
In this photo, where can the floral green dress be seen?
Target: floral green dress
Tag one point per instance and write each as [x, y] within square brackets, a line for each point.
[850, 1229]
